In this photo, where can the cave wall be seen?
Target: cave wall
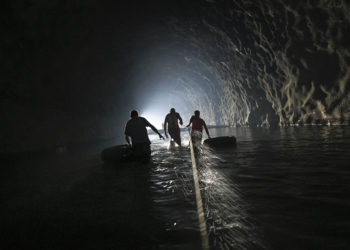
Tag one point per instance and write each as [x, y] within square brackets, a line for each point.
[34, 129]
[281, 62]
[72, 70]
[63, 73]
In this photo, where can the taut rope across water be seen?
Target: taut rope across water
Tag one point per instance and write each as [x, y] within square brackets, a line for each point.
[201, 218]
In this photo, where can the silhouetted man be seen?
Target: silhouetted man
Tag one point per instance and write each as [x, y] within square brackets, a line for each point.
[172, 120]
[197, 128]
[136, 130]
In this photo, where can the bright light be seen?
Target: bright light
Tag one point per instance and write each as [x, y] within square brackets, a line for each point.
[157, 106]
[155, 118]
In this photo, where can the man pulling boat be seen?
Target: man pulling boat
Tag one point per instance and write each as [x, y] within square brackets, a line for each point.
[197, 128]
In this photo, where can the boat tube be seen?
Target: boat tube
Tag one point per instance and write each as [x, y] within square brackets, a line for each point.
[221, 142]
[119, 153]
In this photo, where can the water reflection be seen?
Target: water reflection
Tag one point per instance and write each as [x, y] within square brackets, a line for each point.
[279, 187]
[173, 205]
[229, 225]
[172, 181]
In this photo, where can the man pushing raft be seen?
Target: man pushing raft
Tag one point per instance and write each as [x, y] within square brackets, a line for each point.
[135, 130]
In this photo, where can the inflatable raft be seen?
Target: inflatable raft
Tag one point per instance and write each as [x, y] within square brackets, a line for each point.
[220, 142]
[123, 153]
[119, 153]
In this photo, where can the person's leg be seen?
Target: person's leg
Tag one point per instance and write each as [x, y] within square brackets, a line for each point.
[178, 137]
[175, 135]
[172, 144]
[146, 150]
[142, 151]
[196, 137]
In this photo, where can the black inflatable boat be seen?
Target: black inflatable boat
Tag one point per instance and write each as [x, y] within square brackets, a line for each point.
[119, 153]
[220, 142]
[123, 153]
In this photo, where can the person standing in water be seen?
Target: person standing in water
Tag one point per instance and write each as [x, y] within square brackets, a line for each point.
[197, 128]
[135, 130]
[173, 119]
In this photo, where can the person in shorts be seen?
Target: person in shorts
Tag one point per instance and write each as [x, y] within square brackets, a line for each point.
[197, 128]
[172, 120]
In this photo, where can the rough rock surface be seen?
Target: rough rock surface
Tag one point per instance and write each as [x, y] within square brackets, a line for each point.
[71, 70]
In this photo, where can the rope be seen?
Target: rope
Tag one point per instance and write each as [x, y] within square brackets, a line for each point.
[201, 219]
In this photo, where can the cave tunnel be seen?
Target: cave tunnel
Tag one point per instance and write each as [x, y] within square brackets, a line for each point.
[71, 71]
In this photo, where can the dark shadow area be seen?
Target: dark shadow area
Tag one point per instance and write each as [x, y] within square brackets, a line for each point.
[72, 201]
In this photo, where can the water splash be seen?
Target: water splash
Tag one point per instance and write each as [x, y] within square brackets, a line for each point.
[229, 223]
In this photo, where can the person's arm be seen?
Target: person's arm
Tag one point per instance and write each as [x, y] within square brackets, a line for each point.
[148, 124]
[180, 119]
[206, 129]
[165, 123]
[127, 138]
[156, 131]
[190, 122]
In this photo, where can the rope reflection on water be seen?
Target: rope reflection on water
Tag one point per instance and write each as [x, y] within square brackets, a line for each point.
[279, 188]
[230, 227]
[173, 198]
[228, 224]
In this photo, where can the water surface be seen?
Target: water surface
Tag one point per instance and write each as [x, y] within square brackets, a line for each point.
[279, 188]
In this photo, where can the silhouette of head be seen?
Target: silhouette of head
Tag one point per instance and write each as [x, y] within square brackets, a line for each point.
[172, 111]
[197, 113]
[134, 113]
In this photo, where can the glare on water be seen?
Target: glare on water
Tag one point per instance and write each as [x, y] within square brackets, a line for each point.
[276, 187]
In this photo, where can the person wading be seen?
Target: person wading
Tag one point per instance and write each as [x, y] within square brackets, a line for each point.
[197, 127]
[173, 119]
[135, 129]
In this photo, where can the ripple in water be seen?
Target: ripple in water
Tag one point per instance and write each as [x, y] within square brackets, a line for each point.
[279, 188]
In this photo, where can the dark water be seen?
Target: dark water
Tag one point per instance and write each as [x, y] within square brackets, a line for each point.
[279, 188]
